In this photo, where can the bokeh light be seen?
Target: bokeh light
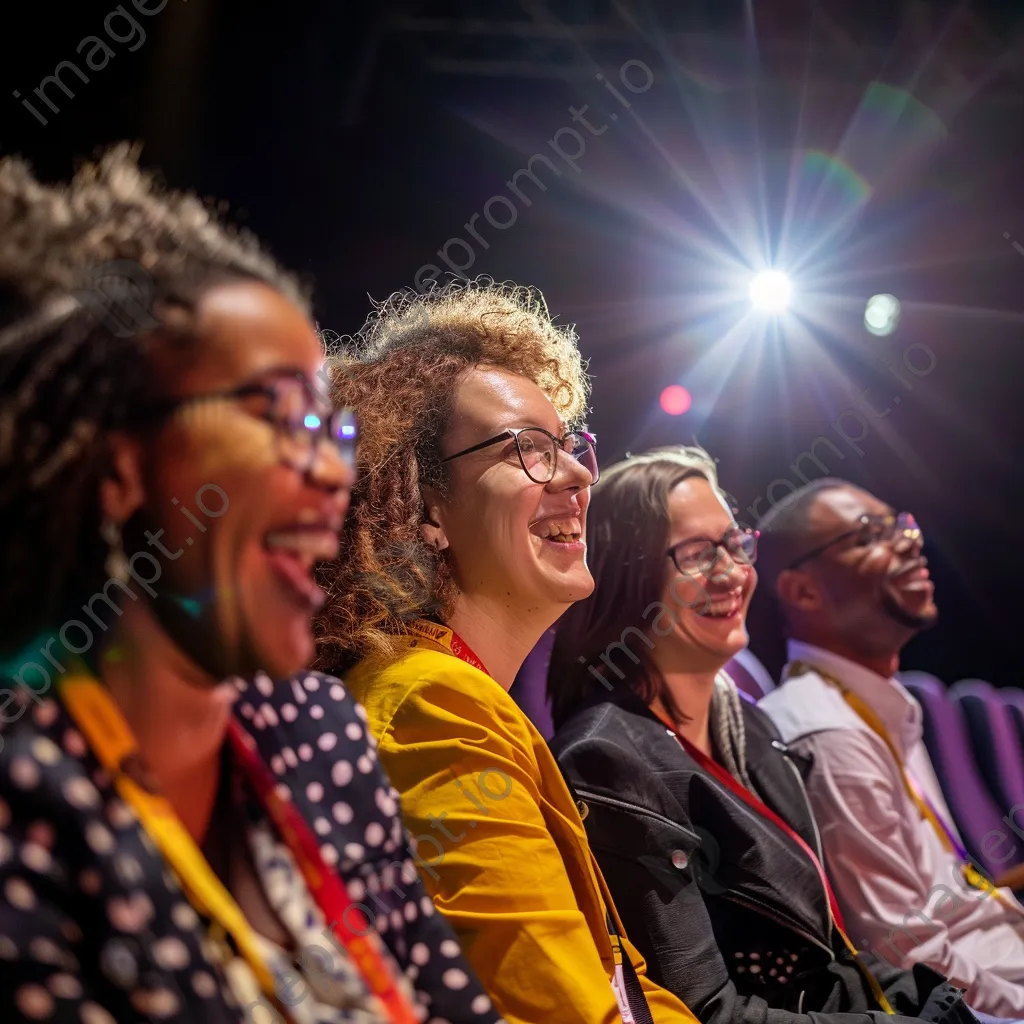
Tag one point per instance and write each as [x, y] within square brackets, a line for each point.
[675, 400]
[882, 314]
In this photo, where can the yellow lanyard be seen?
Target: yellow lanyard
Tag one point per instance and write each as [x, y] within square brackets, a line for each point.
[111, 740]
[867, 714]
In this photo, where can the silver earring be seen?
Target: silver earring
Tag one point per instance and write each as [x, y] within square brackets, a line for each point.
[116, 564]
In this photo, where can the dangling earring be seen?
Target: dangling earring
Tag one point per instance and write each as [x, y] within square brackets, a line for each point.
[116, 564]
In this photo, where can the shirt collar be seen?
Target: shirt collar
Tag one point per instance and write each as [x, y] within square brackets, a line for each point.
[891, 701]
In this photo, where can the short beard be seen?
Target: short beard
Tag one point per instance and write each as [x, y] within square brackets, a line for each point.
[918, 623]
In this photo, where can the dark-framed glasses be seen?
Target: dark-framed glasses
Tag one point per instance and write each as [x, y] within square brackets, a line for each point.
[538, 451]
[692, 557]
[870, 530]
[303, 423]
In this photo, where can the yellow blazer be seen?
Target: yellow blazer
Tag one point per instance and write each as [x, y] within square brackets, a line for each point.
[501, 845]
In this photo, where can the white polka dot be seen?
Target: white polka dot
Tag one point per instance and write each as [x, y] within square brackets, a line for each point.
[6, 849]
[419, 954]
[385, 802]
[455, 978]
[365, 765]
[354, 851]
[375, 834]
[353, 731]
[8, 948]
[329, 854]
[298, 692]
[341, 773]
[269, 715]
[81, 793]
[438, 1020]
[171, 954]
[277, 765]
[342, 813]
[264, 685]
[426, 906]
[24, 774]
[395, 919]
[93, 1014]
[289, 757]
[74, 743]
[258, 721]
[360, 712]
[315, 792]
[381, 924]
[184, 917]
[245, 709]
[99, 837]
[322, 827]
[327, 741]
[316, 712]
[160, 1002]
[337, 692]
[34, 1002]
[356, 889]
[64, 986]
[120, 815]
[33, 856]
[305, 752]
[311, 683]
[5, 815]
[118, 964]
[283, 792]
[450, 949]
[204, 985]
[46, 751]
[46, 714]
[44, 951]
[481, 1004]
[289, 712]
[130, 915]
[20, 894]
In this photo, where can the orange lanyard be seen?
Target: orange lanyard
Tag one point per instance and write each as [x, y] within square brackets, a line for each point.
[111, 740]
[867, 714]
[714, 769]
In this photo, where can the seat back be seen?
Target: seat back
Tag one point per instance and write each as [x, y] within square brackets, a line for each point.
[529, 690]
[749, 675]
[974, 811]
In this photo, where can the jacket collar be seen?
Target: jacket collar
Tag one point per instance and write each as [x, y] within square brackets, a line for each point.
[888, 698]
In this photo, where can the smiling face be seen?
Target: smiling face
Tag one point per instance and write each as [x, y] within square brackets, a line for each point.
[709, 605]
[234, 527]
[874, 593]
[511, 540]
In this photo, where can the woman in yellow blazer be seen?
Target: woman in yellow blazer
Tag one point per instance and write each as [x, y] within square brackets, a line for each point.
[465, 544]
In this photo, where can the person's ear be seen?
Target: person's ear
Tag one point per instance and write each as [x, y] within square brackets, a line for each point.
[432, 529]
[122, 491]
[799, 590]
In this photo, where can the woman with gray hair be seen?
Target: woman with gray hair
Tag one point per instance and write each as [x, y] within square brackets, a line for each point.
[696, 812]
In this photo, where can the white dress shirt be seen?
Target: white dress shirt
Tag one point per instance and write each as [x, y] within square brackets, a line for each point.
[899, 888]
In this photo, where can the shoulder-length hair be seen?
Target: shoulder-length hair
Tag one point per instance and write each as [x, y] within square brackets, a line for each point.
[400, 374]
[604, 641]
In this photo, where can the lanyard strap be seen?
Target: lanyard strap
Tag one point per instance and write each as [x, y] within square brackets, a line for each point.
[447, 638]
[112, 742]
[714, 769]
[867, 714]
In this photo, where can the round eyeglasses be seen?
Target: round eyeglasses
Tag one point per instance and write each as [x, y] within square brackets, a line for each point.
[538, 451]
[700, 556]
[870, 530]
[302, 424]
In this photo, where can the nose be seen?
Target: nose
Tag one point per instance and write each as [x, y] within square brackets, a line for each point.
[726, 568]
[570, 474]
[330, 470]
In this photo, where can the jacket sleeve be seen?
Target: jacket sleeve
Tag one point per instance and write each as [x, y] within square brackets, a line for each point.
[870, 832]
[659, 867]
[466, 775]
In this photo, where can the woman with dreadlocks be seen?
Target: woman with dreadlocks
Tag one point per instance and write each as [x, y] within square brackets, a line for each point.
[168, 474]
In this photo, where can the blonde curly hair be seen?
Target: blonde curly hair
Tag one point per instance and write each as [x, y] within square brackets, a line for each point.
[400, 373]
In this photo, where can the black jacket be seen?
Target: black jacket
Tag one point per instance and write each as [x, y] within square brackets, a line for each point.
[728, 911]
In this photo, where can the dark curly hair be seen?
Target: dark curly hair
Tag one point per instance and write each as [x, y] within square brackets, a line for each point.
[400, 372]
[72, 258]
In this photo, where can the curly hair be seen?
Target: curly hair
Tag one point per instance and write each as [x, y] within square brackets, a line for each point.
[400, 373]
[71, 256]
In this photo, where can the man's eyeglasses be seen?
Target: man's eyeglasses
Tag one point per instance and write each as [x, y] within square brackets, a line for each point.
[301, 423]
[538, 451]
[701, 556]
[870, 530]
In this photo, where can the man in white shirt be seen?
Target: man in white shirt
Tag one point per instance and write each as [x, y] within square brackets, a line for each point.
[853, 589]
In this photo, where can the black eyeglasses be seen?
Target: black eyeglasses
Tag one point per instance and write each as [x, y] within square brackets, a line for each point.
[538, 451]
[301, 423]
[870, 530]
[701, 556]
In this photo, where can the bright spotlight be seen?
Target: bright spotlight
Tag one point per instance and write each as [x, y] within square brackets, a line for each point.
[882, 314]
[770, 291]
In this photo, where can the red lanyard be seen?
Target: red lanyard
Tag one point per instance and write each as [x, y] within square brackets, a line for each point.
[448, 639]
[715, 769]
[344, 917]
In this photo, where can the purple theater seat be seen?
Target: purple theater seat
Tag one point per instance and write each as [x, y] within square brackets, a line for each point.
[749, 675]
[997, 746]
[529, 690]
[975, 812]
[1013, 699]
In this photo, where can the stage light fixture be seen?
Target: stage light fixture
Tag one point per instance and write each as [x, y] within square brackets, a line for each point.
[770, 291]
